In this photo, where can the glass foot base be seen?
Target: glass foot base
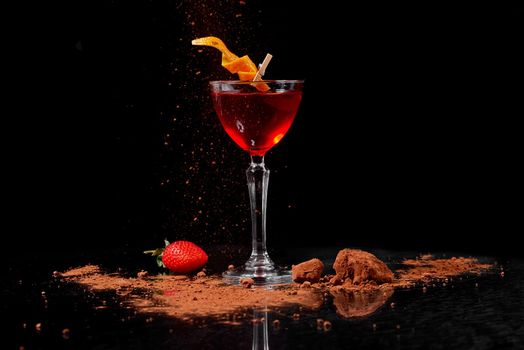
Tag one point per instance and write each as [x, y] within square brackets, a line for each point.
[269, 277]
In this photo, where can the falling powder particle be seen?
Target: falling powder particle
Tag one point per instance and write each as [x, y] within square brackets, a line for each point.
[66, 333]
[320, 323]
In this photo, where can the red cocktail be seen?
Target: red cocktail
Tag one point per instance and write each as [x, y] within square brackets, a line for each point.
[257, 115]
[256, 120]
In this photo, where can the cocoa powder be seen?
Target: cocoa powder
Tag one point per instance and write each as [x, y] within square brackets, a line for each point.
[426, 269]
[185, 297]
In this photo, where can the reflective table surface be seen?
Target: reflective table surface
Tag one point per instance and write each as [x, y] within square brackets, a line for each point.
[478, 312]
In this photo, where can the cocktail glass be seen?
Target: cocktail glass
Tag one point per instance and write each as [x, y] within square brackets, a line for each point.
[257, 118]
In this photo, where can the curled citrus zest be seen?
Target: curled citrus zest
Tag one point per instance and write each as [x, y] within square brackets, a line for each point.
[243, 66]
[247, 76]
[227, 56]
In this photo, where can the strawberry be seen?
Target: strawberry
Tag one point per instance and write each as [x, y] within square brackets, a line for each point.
[180, 256]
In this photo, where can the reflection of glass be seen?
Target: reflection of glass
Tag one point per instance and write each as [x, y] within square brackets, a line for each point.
[260, 334]
[257, 120]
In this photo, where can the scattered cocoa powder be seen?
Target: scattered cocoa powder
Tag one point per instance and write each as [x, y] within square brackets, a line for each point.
[175, 296]
[142, 274]
[276, 324]
[247, 282]
[320, 323]
[66, 333]
[352, 300]
[425, 270]
[310, 271]
[362, 285]
[79, 271]
[180, 277]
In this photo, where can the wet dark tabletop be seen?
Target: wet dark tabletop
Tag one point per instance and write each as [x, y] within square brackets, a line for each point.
[480, 312]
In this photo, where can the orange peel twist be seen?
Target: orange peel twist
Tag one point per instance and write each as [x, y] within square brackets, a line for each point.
[243, 66]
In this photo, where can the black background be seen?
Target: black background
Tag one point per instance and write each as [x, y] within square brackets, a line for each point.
[407, 135]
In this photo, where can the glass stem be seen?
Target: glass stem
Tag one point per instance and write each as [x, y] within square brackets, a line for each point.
[260, 341]
[257, 182]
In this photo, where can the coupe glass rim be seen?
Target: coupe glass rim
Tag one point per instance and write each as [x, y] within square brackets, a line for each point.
[246, 82]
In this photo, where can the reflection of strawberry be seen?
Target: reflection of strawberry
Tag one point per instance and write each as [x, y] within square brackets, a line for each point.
[180, 256]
